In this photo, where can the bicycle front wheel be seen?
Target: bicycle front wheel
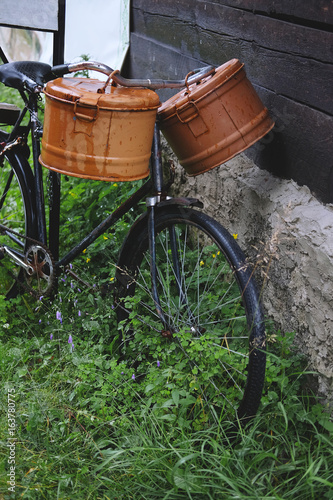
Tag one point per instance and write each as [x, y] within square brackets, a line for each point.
[17, 214]
[212, 339]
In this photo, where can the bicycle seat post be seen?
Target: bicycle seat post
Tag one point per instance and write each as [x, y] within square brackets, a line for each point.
[35, 137]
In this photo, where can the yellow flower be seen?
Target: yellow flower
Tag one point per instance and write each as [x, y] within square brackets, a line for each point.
[105, 237]
[84, 251]
[218, 253]
[214, 255]
[111, 279]
[235, 236]
[202, 263]
[88, 260]
[115, 184]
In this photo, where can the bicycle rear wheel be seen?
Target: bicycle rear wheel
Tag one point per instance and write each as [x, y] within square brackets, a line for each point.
[213, 342]
[17, 214]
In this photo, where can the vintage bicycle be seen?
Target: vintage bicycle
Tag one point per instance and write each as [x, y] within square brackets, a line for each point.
[179, 274]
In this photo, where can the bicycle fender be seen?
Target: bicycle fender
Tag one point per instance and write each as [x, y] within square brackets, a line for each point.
[181, 201]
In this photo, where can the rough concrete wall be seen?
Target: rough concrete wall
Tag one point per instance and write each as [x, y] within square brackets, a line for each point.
[288, 236]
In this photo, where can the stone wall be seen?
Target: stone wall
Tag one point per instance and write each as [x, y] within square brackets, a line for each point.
[287, 234]
[283, 227]
[287, 49]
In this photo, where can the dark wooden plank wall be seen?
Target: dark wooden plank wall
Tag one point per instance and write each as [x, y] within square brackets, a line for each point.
[287, 48]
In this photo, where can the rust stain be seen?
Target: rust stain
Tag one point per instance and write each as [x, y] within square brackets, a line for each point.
[90, 139]
[229, 117]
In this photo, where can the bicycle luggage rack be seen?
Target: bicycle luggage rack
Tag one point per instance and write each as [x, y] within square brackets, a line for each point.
[9, 113]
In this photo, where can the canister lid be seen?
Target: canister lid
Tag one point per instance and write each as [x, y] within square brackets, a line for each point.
[198, 90]
[86, 89]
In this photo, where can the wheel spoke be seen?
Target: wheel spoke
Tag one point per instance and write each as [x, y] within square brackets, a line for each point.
[6, 188]
[209, 301]
[15, 215]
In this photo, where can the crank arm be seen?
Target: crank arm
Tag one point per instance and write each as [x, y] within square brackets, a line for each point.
[6, 250]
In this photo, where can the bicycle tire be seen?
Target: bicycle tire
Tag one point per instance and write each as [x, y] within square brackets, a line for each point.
[17, 213]
[215, 317]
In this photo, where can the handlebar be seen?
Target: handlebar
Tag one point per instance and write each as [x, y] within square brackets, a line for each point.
[193, 77]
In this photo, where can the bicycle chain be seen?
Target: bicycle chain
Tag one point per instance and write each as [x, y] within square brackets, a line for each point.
[25, 285]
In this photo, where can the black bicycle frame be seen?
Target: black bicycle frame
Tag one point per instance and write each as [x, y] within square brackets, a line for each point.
[153, 190]
[153, 185]
[106, 224]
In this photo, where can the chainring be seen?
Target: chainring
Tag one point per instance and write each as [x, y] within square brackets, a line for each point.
[41, 280]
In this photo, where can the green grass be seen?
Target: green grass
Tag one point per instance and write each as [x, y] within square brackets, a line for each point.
[86, 429]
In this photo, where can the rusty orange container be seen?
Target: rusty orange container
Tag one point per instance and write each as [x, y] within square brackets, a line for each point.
[98, 134]
[208, 123]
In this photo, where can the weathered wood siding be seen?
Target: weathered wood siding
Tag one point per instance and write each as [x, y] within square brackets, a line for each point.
[287, 48]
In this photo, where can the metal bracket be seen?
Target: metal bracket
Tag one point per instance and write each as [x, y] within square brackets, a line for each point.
[152, 201]
[163, 201]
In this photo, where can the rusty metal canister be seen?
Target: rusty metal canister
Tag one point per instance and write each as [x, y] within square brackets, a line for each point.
[208, 123]
[96, 133]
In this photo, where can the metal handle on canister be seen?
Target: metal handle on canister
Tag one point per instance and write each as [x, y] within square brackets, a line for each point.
[185, 108]
[82, 116]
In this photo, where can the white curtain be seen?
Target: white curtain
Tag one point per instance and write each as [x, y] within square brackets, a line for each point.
[97, 28]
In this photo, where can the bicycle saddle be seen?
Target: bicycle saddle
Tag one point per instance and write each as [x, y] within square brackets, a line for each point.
[25, 75]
